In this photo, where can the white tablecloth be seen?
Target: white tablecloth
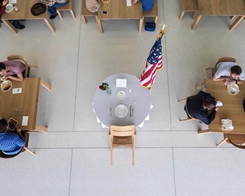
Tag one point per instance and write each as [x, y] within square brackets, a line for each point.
[136, 97]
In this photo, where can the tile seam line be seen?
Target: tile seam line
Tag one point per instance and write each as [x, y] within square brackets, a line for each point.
[175, 191]
[78, 60]
[70, 172]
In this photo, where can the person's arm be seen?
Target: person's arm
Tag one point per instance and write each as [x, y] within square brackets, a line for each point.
[3, 7]
[207, 119]
[135, 1]
[222, 78]
[205, 95]
[18, 78]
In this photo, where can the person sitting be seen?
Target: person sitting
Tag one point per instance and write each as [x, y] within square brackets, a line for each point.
[199, 105]
[11, 142]
[52, 5]
[146, 4]
[16, 23]
[13, 70]
[230, 72]
[92, 5]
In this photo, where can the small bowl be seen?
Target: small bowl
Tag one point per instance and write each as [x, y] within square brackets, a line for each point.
[6, 85]
[233, 89]
[9, 8]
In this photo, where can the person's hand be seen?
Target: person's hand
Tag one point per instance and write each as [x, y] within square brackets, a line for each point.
[135, 1]
[216, 109]
[5, 2]
[18, 130]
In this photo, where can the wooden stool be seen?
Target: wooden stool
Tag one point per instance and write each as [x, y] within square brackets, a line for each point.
[188, 6]
[153, 13]
[67, 7]
[85, 12]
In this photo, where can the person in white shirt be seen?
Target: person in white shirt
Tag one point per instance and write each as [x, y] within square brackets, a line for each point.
[230, 72]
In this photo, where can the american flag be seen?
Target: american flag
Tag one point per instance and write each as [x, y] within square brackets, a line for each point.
[153, 63]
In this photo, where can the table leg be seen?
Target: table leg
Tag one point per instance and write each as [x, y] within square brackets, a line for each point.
[45, 84]
[49, 25]
[193, 27]
[236, 22]
[141, 24]
[203, 131]
[9, 24]
[100, 25]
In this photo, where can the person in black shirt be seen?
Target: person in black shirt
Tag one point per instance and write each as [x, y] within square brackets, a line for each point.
[199, 105]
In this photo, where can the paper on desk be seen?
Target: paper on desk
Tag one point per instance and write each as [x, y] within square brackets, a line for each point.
[25, 120]
[17, 90]
[121, 83]
[12, 1]
[129, 2]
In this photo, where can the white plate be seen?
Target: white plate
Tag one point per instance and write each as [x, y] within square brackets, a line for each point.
[9, 8]
[121, 95]
[233, 89]
[6, 85]
[121, 111]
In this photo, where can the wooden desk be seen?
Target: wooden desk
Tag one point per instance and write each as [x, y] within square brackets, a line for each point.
[220, 8]
[24, 12]
[23, 104]
[118, 10]
[232, 108]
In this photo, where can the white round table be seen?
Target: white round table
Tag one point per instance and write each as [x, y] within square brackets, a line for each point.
[137, 101]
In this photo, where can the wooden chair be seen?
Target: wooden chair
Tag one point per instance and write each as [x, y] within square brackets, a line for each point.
[189, 117]
[25, 148]
[67, 7]
[22, 59]
[152, 13]
[122, 136]
[85, 13]
[189, 6]
[222, 59]
[237, 140]
[214, 69]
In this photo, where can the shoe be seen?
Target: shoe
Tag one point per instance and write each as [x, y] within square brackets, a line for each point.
[20, 27]
[53, 16]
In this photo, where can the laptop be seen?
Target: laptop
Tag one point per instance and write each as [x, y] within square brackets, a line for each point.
[12, 124]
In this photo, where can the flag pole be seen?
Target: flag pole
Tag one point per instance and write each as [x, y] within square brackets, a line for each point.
[162, 30]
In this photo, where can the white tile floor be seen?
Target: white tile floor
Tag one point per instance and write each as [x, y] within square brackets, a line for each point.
[72, 159]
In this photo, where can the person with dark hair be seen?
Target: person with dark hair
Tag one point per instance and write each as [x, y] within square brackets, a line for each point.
[230, 72]
[12, 70]
[198, 106]
[52, 5]
[16, 23]
[146, 4]
[10, 142]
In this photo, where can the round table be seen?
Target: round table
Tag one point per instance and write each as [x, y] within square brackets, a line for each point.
[137, 101]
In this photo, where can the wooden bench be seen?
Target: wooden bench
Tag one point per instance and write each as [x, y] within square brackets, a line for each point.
[188, 6]
[67, 7]
[85, 13]
[153, 13]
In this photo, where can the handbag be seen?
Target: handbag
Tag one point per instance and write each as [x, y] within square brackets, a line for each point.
[150, 26]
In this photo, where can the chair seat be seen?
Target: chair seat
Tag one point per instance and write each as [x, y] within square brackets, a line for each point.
[153, 12]
[67, 7]
[85, 12]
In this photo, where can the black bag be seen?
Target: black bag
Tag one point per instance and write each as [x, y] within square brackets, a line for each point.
[244, 105]
[150, 26]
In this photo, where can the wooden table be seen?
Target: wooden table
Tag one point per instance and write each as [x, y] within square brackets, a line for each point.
[220, 8]
[118, 10]
[232, 108]
[23, 104]
[24, 12]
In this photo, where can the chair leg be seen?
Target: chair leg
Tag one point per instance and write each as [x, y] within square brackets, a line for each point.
[60, 15]
[198, 87]
[181, 15]
[73, 14]
[224, 140]
[28, 150]
[84, 20]
[182, 100]
[156, 19]
[194, 15]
